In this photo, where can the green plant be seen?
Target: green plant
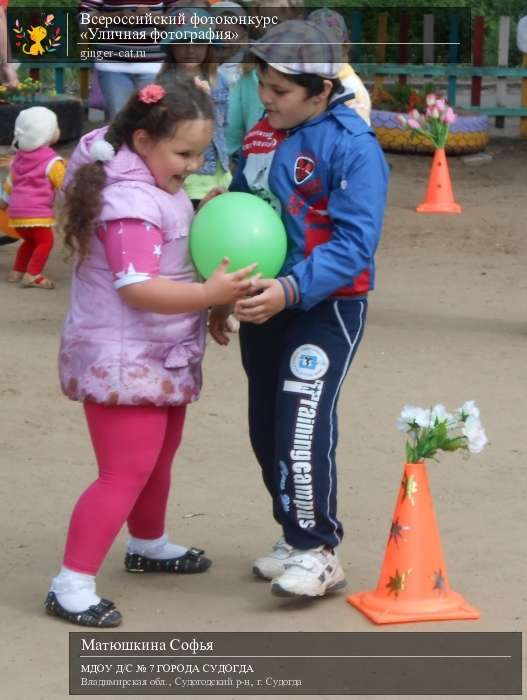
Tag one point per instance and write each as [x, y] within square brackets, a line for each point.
[25, 91]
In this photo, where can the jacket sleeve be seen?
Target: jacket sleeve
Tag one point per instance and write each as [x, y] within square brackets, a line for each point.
[357, 198]
[220, 96]
[235, 130]
[239, 182]
[56, 173]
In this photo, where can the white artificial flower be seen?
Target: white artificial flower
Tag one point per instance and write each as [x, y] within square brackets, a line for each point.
[410, 415]
[440, 413]
[469, 408]
[101, 150]
[475, 434]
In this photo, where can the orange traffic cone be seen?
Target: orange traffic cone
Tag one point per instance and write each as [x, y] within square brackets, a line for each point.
[5, 229]
[439, 195]
[413, 585]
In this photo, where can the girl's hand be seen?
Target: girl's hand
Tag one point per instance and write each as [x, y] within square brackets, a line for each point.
[267, 301]
[214, 192]
[202, 85]
[224, 287]
[218, 325]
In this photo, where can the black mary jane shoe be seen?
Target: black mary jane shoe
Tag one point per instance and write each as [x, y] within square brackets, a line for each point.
[104, 614]
[192, 562]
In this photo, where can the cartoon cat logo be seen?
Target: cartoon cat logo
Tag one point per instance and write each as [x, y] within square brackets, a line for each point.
[31, 40]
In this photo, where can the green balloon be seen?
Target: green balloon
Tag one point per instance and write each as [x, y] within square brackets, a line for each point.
[241, 227]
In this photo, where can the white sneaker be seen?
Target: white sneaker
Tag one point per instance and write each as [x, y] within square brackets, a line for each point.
[272, 565]
[312, 573]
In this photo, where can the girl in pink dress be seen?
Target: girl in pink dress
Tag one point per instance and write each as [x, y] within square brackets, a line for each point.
[134, 336]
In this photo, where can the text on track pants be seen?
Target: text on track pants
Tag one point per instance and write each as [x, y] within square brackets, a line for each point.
[296, 363]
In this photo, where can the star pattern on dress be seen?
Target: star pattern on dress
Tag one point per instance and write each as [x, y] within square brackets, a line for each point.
[157, 250]
[131, 271]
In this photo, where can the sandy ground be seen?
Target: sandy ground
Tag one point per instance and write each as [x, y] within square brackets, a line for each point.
[447, 323]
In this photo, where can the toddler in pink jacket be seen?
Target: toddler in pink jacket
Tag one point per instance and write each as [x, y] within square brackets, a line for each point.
[35, 175]
[134, 336]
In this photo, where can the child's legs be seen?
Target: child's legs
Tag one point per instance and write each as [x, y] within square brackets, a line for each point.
[261, 356]
[317, 353]
[25, 250]
[127, 441]
[42, 240]
[147, 519]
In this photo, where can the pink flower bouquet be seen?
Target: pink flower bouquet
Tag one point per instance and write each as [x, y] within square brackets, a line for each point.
[434, 124]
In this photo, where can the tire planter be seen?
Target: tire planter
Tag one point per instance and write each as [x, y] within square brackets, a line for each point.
[468, 134]
[69, 113]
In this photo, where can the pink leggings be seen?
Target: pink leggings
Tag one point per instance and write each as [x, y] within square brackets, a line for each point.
[134, 447]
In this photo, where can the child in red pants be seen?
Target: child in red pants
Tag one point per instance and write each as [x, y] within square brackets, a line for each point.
[36, 174]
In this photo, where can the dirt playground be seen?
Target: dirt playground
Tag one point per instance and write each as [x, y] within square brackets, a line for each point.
[447, 323]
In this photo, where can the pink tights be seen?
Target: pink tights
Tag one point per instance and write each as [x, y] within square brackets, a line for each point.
[134, 447]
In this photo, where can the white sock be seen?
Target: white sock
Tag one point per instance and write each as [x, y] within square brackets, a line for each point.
[159, 548]
[74, 591]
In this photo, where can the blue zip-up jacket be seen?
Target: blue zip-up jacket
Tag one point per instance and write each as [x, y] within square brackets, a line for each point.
[328, 179]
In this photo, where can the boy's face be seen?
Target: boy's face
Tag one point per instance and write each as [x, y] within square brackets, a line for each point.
[171, 160]
[287, 104]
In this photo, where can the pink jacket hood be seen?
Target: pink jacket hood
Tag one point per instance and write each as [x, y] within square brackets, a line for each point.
[126, 165]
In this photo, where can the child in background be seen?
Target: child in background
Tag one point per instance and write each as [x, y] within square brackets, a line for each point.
[36, 173]
[319, 164]
[134, 336]
[196, 59]
[245, 106]
[230, 54]
[334, 25]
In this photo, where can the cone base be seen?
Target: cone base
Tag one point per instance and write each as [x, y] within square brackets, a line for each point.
[452, 208]
[390, 612]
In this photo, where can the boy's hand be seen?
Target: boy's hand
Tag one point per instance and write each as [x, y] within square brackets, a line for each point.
[224, 287]
[218, 326]
[268, 300]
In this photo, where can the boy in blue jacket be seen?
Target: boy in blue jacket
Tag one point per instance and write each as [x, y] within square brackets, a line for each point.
[319, 164]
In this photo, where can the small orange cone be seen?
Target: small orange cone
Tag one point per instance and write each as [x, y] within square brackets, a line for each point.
[439, 197]
[5, 229]
[413, 585]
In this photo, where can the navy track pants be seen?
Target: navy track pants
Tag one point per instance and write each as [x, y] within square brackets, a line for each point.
[296, 363]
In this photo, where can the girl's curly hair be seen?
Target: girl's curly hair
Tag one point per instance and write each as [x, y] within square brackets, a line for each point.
[183, 101]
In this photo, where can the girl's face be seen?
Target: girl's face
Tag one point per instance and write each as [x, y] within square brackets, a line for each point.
[171, 160]
[189, 56]
[287, 103]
